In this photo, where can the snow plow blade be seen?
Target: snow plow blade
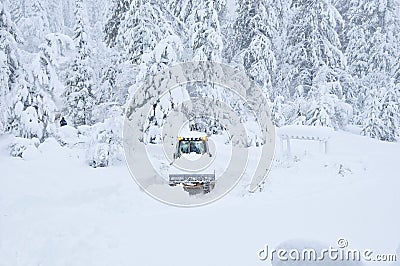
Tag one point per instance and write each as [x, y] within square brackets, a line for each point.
[193, 182]
[175, 179]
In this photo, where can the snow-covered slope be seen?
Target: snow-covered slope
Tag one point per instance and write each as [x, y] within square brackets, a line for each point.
[56, 210]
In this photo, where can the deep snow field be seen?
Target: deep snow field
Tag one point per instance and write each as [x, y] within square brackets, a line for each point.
[57, 210]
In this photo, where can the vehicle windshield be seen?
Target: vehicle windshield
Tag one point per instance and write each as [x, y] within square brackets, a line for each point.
[197, 146]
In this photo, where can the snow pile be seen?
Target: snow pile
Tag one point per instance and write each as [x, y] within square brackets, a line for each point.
[68, 135]
[21, 147]
[105, 146]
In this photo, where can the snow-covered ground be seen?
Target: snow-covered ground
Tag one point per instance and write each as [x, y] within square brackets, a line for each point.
[56, 210]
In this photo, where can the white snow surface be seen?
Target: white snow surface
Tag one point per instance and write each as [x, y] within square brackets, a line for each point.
[56, 210]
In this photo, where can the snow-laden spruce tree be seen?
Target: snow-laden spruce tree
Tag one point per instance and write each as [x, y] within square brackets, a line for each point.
[278, 115]
[390, 114]
[43, 65]
[111, 89]
[313, 59]
[120, 74]
[325, 105]
[255, 30]
[9, 62]
[107, 89]
[15, 9]
[381, 117]
[141, 30]
[181, 9]
[57, 48]
[78, 94]
[204, 43]
[115, 17]
[372, 37]
[32, 108]
[105, 147]
[281, 79]
[205, 38]
[34, 25]
[98, 15]
[148, 40]
[372, 42]
[146, 43]
[312, 41]
[373, 125]
[55, 14]
[31, 105]
[321, 107]
[165, 53]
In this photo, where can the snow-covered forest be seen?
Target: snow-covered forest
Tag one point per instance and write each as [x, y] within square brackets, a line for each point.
[330, 63]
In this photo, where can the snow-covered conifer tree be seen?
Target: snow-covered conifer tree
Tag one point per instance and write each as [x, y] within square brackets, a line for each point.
[141, 30]
[31, 105]
[181, 9]
[391, 114]
[116, 16]
[278, 115]
[372, 42]
[35, 24]
[9, 61]
[372, 37]
[313, 42]
[314, 58]
[373, 126]
[32, 108]
[149, 43]
[106, 143]
[205, 38]
[55, 15]
[321, 107]
[78, 95]
[256, 28]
